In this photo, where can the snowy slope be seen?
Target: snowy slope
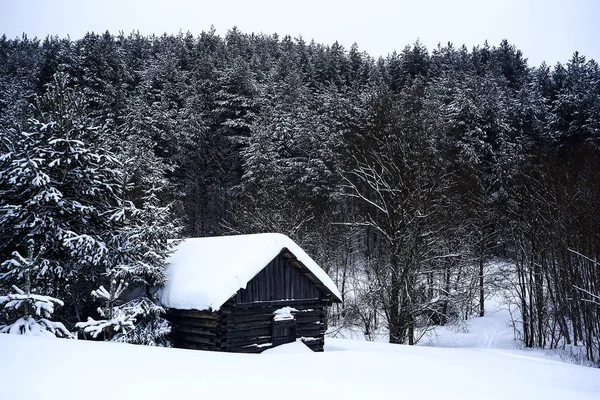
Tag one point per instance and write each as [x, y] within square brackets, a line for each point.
[43, 368]
[492, 331]
[204, 273]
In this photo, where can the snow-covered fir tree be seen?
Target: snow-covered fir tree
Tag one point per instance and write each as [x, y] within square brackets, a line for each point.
[63, 189]
[138, 321]
[113, 320]
[29, 310]
[139, 244]
[150, 328]
[143, 241]
[60, 189]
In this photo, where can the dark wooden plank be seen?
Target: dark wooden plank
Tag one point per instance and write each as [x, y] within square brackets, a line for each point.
[259, 315]
[192, 314]
[307, 273]
[302, 330]
[266, 331]
[248, 325]
[267, 323]
[249, 317]
[310, 321]
[242, 342]
[246, 344]
[278, 303]
[315, 314]
[193, 338]
[250, 314]
[185, 329]
[200, 323]
[310, 327]
[309, 317]
[209, 323]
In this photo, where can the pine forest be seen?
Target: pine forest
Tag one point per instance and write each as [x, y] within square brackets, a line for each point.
[403, 176]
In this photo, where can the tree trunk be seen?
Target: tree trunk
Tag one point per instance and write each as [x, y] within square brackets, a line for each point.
[411, 331]
[481, 293]
[396, 335]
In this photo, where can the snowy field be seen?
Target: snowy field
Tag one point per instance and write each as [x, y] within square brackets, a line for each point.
[485, 365]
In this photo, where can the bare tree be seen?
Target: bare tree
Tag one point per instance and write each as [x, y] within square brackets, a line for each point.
[393, 177]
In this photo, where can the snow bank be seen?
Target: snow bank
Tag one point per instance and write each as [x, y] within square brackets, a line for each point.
[48, 369]
[205, 272]
[297, 347]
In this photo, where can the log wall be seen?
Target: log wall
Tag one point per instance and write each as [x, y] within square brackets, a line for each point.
[198, 330]
[248, 327]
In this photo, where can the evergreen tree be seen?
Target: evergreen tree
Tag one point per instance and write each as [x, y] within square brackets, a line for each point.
[60, 189]
[114, 320]
[63, 188]
[32, 309]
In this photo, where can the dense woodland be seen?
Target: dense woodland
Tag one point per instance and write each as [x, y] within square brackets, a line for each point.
[403, 176]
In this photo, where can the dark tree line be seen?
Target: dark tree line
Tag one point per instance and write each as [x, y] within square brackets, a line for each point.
[403, 175]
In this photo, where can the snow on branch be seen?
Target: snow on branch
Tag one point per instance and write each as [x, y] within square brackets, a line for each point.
[595, 298]
[29, 326]
[119, 323]
[42, 306]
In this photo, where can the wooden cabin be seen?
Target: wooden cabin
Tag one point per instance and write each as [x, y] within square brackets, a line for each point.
[246, 293]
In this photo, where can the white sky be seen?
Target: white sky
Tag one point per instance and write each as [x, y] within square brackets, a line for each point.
[549, 30]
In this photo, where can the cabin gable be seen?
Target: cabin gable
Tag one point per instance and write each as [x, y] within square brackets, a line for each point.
[279, 280]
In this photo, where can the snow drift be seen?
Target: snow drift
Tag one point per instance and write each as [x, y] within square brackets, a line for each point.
[43, 368]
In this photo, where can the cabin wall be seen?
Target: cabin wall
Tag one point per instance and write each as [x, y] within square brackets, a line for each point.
[248, 327]
[198, 330]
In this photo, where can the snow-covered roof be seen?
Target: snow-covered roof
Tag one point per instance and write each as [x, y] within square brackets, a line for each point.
[204, 273]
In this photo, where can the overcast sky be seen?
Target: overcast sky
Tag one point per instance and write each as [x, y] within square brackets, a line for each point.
[549, 30]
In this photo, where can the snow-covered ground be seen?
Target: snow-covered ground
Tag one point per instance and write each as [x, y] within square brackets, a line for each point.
[479, 360]
[492, 331]
[485, 366]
